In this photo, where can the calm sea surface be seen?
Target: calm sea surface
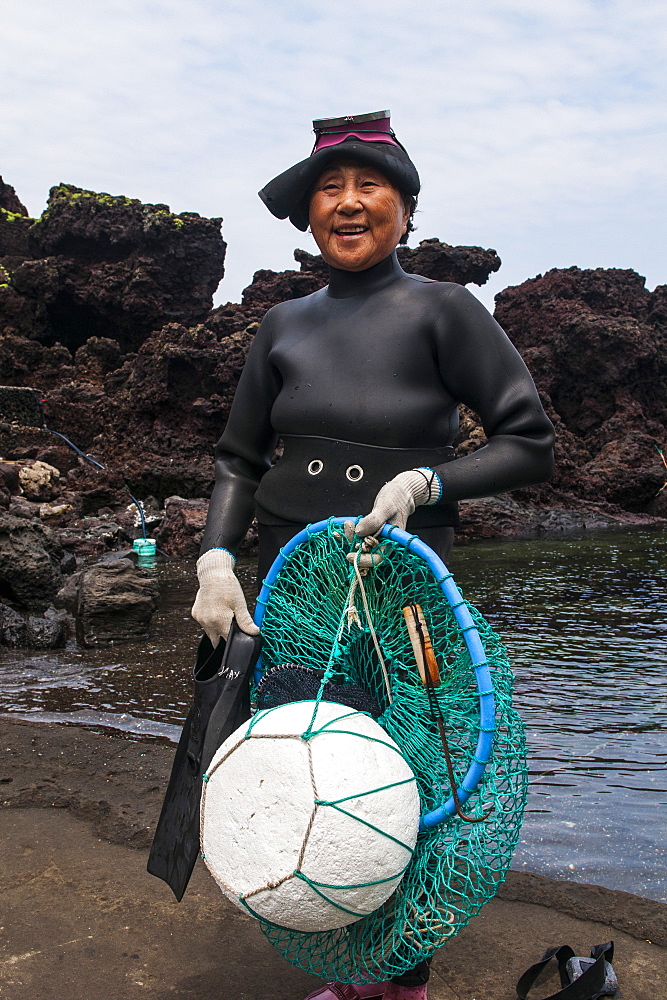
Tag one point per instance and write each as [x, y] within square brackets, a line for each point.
[585, 622]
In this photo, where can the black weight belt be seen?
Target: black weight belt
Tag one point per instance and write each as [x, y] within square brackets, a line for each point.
[318, 477]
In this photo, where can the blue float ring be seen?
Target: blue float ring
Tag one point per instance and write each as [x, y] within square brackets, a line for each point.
[487, 704]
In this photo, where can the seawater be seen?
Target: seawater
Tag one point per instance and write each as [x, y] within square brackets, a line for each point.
[585, 623]
[584, 620]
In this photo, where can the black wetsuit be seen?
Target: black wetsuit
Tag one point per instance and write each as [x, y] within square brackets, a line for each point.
[362, 380]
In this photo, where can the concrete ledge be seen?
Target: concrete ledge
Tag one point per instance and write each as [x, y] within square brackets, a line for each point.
[642, 918]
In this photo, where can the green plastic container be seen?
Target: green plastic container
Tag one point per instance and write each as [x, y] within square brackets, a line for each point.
[146, 549]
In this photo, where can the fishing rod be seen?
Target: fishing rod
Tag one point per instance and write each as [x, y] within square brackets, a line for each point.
[98, 465]
[664, 462]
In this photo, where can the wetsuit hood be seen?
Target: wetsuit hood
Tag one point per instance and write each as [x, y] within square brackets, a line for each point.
[366, 138]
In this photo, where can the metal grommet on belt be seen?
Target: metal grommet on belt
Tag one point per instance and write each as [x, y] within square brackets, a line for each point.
[315, 467]
[354, 473]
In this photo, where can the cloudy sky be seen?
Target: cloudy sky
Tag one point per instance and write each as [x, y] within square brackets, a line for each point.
[538, 126]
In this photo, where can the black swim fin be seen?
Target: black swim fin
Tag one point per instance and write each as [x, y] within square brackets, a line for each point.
[220, 705]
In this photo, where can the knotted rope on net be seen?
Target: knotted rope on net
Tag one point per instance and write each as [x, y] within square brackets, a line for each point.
[305, 611]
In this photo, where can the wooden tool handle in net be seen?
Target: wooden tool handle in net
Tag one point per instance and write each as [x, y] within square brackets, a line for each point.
[420, 641]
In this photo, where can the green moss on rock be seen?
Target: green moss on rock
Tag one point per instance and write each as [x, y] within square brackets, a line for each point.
[13, 216]
[63, 195]
[69, 193]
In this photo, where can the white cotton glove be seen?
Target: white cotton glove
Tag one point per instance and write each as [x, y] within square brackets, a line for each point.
[220, 597]
[393, 505]
[398, 498]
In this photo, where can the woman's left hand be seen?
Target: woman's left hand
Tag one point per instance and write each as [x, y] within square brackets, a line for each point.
[393, 505]
[398, 498]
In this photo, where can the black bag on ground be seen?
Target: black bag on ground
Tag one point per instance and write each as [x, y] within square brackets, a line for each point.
[221, 703]
[580, 978]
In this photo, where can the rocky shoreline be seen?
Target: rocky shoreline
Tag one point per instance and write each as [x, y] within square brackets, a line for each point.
[108, 336]
[83, 919]
[109, 341]
[117, 785]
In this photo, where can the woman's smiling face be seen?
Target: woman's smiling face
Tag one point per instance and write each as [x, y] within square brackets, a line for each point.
[356, 215]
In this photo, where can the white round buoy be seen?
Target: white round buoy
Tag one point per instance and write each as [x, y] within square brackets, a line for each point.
[313, 833]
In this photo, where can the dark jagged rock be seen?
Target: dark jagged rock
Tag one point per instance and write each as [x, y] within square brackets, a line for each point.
[441, 262]
[34, 631]
[68, 564]
[518, 515]
[45, 633]
[20, 507]
[432, 259]
[9, 200]
[269, 287]
[181, 531]
[13, 628]
[9, 477]
[19, 405]
[105, 266]
[82, 411]
[24, 362]
[182, 528]
[111, 601]
[92, 536]
[145, 381]
[96, 358]
[30, 556]
[657, 308]
[64, 459]
[15, 226]
[174, 400]
[314, 264]
[596, 343]
[14, 246]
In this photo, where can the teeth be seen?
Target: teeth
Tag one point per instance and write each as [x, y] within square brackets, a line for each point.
[354, 229]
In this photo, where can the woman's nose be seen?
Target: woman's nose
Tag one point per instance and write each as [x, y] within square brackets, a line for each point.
[349, 200]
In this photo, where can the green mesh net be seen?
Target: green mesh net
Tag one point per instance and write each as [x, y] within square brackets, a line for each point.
[456, 866]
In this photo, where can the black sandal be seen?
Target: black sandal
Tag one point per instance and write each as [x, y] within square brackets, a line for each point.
[581, 978]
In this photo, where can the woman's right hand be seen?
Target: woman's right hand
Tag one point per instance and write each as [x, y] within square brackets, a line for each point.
[220, 597]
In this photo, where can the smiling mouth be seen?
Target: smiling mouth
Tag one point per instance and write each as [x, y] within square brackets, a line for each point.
[350, 231]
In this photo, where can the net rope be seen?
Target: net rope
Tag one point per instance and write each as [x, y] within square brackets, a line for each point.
[456, 866]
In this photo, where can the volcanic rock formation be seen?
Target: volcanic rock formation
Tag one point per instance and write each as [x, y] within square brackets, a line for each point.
[30, 563]
[105, 309]
[111, 601]
[9, 200]
[596, 344]
[105, 266]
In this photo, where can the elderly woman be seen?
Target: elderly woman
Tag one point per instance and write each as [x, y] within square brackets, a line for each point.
[362, 382]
